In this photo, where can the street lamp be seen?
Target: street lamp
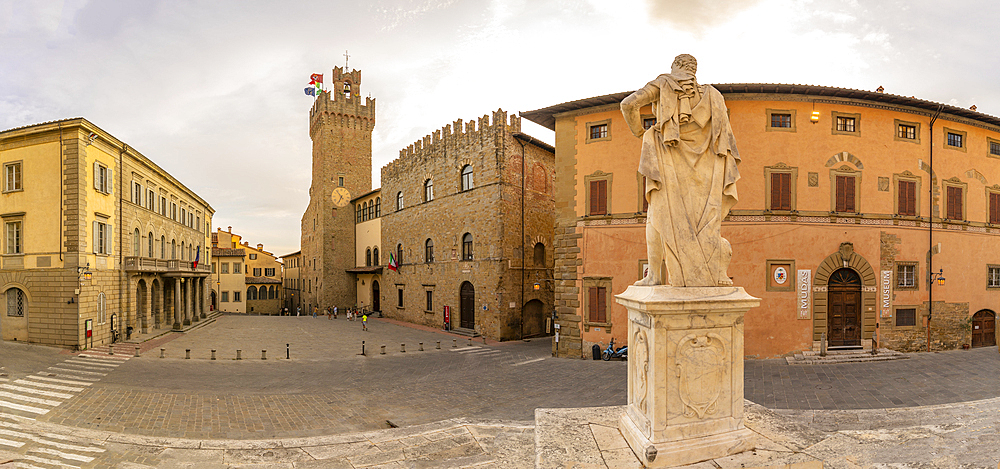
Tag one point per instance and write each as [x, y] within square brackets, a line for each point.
[938, 276]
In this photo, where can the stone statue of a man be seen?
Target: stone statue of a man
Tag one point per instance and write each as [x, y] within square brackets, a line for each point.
[689, 159]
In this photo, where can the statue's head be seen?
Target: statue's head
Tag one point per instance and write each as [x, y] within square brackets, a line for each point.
[684, 63]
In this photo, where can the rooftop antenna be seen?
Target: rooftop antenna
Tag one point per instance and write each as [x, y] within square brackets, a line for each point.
[346, 58]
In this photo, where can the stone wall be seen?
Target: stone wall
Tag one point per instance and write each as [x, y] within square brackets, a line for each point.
[490, 212]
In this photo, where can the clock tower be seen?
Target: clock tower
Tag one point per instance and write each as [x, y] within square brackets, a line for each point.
[340, 126]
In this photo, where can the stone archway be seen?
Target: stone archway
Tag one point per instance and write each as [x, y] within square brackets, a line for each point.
[845, 257]
[141, 304]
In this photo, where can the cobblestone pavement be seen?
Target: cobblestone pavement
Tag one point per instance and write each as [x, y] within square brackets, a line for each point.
[923, 379]
[326, 388]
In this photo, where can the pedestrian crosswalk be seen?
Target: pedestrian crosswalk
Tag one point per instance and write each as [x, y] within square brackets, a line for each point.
[475, 350]
[24, 399]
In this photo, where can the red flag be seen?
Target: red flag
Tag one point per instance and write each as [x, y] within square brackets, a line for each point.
[315, 78]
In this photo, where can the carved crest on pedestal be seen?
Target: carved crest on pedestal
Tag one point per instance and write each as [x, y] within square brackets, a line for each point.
[701, 372]
[641, 346]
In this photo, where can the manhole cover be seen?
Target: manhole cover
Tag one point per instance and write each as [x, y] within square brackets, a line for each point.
[824, 386]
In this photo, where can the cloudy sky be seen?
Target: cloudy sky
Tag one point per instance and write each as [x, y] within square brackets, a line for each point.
[212, 91]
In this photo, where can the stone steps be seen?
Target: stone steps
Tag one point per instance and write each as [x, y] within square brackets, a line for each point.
[844, 356]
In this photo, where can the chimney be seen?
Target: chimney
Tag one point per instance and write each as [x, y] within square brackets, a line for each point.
[260, 247]
[230, 229]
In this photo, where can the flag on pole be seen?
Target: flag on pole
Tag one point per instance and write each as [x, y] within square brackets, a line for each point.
[197, 256]
[315, 78]
[310, 91]
[392, 263]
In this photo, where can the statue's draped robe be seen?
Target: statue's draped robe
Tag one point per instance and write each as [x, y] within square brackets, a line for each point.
[690, 162]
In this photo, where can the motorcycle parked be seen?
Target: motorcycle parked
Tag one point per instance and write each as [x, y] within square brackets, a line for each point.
[610, 352]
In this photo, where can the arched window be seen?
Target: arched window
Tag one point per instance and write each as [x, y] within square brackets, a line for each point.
[368, 257]
[182, 250]
[364, 211]
[428, 190]
[429, 251]
[399, 200]
[467, 247]
[539, 255]
[163, 247]
[371, 211]
[359, 213]
[251, 293]
[375, 260]
[378, 207]
[102, 314]
[173, 249]
[149, 240]
[466, 177]
[399, 254]
[263, 292]
[16, 304]
[270, 292]
[135, 243]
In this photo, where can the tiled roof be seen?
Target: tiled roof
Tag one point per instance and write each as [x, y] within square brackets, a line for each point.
[223, 252]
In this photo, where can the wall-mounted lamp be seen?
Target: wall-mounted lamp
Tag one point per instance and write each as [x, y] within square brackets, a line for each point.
[938, 276]
[815, 117]
[536, 286]
[84, 273]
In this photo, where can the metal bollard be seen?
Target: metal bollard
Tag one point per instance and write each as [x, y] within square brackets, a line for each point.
[238, 354]
[137, 351]
[470, 341]
[263, 354]
[362, 347]
[383, 350]
[111, 349]
[187, 354]
[439, 345]
[162, 350]
[454, 343]
[287, 351]
[213, 354]
[402, 348]
[421, 346]
[484, 340]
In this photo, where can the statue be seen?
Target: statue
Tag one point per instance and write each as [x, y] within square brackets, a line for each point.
[689, 159]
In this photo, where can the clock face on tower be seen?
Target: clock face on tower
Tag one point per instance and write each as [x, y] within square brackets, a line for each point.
[341, 197]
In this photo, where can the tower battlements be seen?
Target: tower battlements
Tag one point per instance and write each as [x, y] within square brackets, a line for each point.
[465, 134]
[343, 100]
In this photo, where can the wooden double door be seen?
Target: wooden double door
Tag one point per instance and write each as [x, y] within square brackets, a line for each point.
[984, 325]
[844, 309]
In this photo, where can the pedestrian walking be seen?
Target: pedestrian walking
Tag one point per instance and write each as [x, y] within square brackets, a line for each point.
[315, 311]
[334, 312]
[298, 311]
[364, 322]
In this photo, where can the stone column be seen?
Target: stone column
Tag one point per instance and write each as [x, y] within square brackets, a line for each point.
[195, 298]
[177, 303]
[146, 308]
[685, 373]
[186, 285]
[204, 297]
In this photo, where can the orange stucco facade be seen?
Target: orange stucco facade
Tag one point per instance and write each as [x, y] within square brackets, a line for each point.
[881, 147]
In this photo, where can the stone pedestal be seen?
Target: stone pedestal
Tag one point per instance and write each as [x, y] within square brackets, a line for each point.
[685, 373]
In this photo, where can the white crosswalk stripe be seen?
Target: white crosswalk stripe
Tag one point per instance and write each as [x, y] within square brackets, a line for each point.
[23, 408]
[70, 370]
[79, 366]
[39, 392]
[54, 380]
[89, 364]
[33, 400]
[51, 462]
[45, 385]
[94, 361]
[11, 443]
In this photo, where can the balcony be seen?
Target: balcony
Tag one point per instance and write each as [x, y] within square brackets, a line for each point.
[171, 266]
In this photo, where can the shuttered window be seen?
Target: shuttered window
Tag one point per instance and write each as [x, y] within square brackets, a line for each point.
[599, 197]
[954, 203]
[598, 304]
[994, 207]
[907, 203]
[845, 194]
[781, 191]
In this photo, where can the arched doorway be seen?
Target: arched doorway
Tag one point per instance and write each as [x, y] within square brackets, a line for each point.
[376, 297]
[844, 302]
[213, 306]
[534, 318]
[984, 325]
[467, 316]
[141, 304]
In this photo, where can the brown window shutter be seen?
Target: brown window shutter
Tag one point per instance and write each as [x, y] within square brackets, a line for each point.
[781, 191]
[592, 307]
[604, 196]
[841, 204]
[955, 203]
[907, 198]
[594, 197]
[994, 208]
[602, 299]
[849, 194]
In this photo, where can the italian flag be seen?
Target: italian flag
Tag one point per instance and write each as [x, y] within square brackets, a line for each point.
[392, 263]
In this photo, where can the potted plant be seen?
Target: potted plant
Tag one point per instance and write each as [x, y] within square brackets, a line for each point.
[966, 326]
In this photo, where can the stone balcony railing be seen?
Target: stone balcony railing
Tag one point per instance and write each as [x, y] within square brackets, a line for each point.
[148, 264]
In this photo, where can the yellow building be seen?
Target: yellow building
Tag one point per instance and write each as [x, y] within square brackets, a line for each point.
[847, 201]
[368, 260]
[244, 279]
[96, 238]
[291, 281]
[263, 281]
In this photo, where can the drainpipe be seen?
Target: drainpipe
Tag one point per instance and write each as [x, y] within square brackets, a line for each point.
[930, 230]
[522, 236]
